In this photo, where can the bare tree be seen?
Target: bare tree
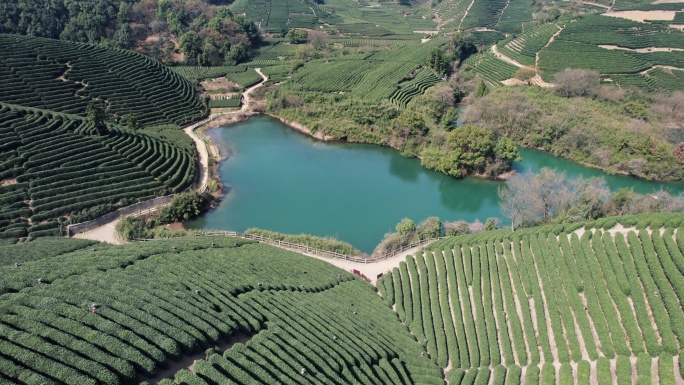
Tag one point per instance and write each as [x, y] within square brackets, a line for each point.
[513, 201]
[318, 39]
[573, 82]
[445, 95]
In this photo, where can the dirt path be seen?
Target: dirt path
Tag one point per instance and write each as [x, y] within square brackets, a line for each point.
[465, 14]
[596, 4]
[370, 269]
[201, 184]
[551, 39]
[107, 233]
[505, 58]
[246, 95]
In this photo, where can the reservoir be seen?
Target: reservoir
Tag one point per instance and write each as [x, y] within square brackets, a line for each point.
[281, 180]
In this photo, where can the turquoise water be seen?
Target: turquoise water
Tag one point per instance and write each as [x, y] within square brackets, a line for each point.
[281, 180]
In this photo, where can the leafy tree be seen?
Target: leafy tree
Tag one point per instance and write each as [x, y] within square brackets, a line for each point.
[406, 227]
[238, 52]
[297, 36]
[463, 46]
[132, 122]
[470, 147]
[123, 37]
[482, 89]
[436, 61]
[96, 116]
[525, 74]
[191, 45]
[429, 228]
[491, 224]
[183, 207]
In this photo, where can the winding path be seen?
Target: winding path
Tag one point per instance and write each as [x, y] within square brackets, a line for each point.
[107, 232]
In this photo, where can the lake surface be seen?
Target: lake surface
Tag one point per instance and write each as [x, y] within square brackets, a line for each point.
[279, 179]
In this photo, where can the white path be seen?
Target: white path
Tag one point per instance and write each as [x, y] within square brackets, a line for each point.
[107, 233]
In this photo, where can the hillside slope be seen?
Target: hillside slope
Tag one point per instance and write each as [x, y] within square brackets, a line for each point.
[164, 301]
[55, 164]
[578, 304]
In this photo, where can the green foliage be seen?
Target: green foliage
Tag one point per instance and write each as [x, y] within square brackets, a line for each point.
[406, 227]
[471, 150]
[538, 118]
[183, 207]
[636, 110]
[297, 36]
[436, 61]
[96, 117]
[322, 243]
[481, 90]
[491, 224]
[205, 292]
[490, 273]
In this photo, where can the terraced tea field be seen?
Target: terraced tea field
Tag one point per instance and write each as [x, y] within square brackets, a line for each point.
[303, 320]
[374, 76]
[64, 77]
[571, 304]
[55, 164]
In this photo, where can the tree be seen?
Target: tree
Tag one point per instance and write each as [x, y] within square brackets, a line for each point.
[297, 36]
[238, 52]
[406, 227]
[132, 122]
[96, 117]
[525, 74]
[514, 202]
[429, 228]
[191, 45]
[491, 224]
[436, 61]
[318, 39]
[481, 90]
[463, 46]
[456, 228]
[123, 37]
[470, 147]
[183, 207]
[573, 82]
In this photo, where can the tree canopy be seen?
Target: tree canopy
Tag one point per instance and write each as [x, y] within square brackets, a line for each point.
[206, 34]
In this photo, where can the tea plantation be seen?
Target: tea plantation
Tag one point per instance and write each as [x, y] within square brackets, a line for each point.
[305, 321]
[55, 164]
[563, 304]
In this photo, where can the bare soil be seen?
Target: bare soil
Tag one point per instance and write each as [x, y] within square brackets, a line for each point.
[219, 84]
[642, 16]
[7, 182]
[642, 50]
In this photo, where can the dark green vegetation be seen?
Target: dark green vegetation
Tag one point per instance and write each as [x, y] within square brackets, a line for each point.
[342, 16]
[547, 295]
[195, 32]
[182, 207]
[156, 302]
[62, 160]
[66, 77]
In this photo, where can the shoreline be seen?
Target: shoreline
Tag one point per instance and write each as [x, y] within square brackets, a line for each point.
[318, 136]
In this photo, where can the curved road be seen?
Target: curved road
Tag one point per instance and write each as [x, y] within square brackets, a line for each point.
[107, 233]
